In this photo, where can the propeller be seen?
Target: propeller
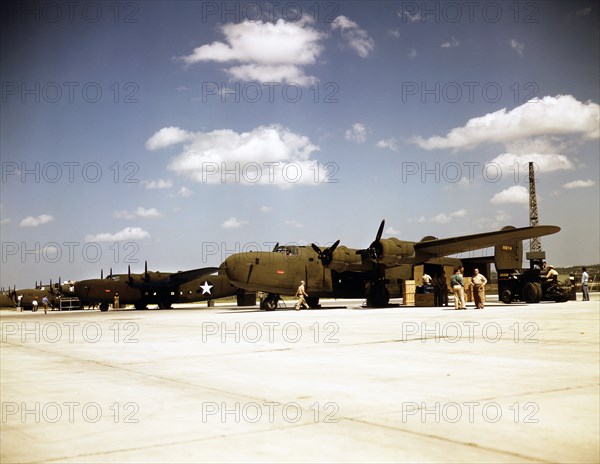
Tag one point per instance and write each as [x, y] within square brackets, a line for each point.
[376, 248]
[129, 278]
[275, 247]
[326, 255]
[146, 275]
[101, 273]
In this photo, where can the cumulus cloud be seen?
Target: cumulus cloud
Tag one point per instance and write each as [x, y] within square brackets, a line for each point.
[138, 213]
[412, 53]
[392, 231]
[390, 144]
[40, 220]
[516, 194]
[265, 51]
[544, 162]
[579, 184]
[265, 209]
[128, 233]
[157, 184]
[441, 218]
[167, 136]
[358, 39]
[357, 134]
[293, 223]
[558, 115]
[517, 46]
[266, 155]
[184, 192]
[233, 223]
[453, 42]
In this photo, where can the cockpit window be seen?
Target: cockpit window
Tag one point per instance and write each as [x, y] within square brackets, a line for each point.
[287, 250]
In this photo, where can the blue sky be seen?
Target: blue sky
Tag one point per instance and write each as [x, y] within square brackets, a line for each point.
[179, 132]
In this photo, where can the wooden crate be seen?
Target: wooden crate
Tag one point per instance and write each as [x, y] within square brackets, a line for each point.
[424, 299]
[408, 292]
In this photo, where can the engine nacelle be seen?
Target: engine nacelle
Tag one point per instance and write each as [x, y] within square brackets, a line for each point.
[343, 258]
[391, 251]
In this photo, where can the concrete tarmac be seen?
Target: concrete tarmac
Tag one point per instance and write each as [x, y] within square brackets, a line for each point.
[510, 383]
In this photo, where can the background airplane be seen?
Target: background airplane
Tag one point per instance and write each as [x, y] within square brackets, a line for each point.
[375, 273]
[160, 288]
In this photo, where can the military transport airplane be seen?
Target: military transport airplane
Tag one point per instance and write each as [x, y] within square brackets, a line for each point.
[24, 297]
[161, 288]
[375, 273]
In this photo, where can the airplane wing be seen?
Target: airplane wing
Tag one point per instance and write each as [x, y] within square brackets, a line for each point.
[185, 276]
[453, 245]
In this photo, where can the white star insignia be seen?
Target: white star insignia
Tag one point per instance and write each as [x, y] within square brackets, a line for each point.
[206, 288]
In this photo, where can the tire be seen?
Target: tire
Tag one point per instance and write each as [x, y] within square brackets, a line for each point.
[270, 302]
[506, 297]
[378, 296]
[164, 305]
[103, 307]
[140, 306]
[313, 302]
[531, 293]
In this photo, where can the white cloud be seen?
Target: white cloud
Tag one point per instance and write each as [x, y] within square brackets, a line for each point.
[517, 46]
[453, 42]
[128, 233]
[392, 231]
[579, 184]
[358, 133]
[583, 11]
[395, 33]
[167, 136]
[264, 51]
[412, 17]
[184, 192]
[139, 213]
[5, 221]
[233, 223]
[265, 209]
[266, 155]
[558, 115]
[390, 144]
[516, 194]
[412, 53]
[355, 37]
[31, 221]
[294, 223]
[441, 218]
[157, 184]
[444, 218]
[544, 162]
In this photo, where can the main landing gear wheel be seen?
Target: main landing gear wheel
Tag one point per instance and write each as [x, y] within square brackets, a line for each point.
[312, 302]
[103, 306]
[140, 306]
[270, 302]
[378, 296]
[164, 305]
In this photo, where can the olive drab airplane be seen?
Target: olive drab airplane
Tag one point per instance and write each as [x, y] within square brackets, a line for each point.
[24, 297]
[160, 288]
[375, 273]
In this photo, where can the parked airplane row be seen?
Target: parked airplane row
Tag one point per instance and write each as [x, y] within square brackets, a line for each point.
[375, 273]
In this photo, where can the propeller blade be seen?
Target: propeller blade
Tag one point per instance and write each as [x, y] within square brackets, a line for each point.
[101, 273]
[146, 275]
[316, 248]
[275, 247]
[129, 279]
[380, 231]
[334, 246]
